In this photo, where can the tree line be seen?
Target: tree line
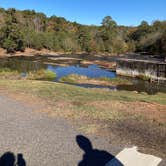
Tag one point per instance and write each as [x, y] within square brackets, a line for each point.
[30, 29]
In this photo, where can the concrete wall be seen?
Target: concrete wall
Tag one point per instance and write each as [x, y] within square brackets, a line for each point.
[134, 68]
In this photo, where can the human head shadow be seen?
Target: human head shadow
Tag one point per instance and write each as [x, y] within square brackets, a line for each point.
[94, 157]
[9, 159]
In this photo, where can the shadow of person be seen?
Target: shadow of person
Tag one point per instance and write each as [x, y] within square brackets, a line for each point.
[93, 157]
[20, 160]
[9, 159]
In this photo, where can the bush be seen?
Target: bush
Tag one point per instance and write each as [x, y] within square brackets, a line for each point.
[10, 45]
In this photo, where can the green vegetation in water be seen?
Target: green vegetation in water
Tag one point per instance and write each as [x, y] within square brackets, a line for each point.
[115, 80]
[47, 75]
[6, 73]
[144, 77]
[2, 70]
[74, 78]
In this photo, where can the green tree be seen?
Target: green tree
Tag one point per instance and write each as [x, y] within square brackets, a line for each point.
[11, 34]
[109, 23]
[83, 38]
[19, 29]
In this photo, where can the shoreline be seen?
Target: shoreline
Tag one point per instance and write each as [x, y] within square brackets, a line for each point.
[29, 53]
[33, 52]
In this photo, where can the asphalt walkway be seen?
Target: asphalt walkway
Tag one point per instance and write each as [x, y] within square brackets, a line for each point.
[31, 138]
[39, 140]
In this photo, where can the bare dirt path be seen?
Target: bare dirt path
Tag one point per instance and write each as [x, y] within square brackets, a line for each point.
[40, 140]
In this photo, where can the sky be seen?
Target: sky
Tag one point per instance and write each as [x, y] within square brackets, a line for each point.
[91, 12]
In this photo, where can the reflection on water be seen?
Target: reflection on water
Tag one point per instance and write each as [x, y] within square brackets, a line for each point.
[22, 65]
[143, 86]
[74, 66]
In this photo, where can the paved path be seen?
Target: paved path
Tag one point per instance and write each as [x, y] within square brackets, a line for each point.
[40, 140]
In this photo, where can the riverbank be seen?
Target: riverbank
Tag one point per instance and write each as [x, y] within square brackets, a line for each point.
[102, 81]
[29, 52]
[124, 117]
[33, 52]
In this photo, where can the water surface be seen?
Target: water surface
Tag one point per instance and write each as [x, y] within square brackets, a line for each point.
[64, 67]
[91, 71]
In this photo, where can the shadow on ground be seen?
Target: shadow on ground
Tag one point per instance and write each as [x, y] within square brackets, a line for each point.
[94, 157]
[9, 159]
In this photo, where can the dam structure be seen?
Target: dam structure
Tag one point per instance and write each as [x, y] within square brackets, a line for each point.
[153, 69]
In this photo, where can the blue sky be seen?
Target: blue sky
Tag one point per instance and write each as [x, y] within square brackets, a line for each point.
[124, 12]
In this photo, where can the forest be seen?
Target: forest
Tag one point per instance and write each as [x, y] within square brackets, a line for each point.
[30, 29]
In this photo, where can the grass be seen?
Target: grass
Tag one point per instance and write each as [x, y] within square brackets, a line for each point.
[97, 110]
[74, 78]
[53, 90]
[115, 80]
[77, 102]
[42, 74]
[46, 75]
[143, 77]
[6, 73]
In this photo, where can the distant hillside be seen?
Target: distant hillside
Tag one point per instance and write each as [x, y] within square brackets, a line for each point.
[21, 29]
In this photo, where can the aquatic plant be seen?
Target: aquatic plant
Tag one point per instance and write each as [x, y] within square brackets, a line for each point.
[42, 74]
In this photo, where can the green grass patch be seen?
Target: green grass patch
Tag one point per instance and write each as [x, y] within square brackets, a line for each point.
[143, 77]
[72, 78]
[115, 80]
[45, 75]
[51, 90]
[6, 73]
